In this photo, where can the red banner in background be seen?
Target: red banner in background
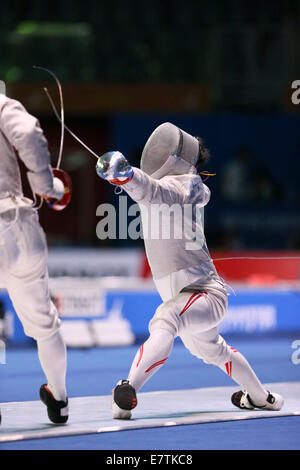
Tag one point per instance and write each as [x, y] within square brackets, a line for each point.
[258, 267]
[253, 267]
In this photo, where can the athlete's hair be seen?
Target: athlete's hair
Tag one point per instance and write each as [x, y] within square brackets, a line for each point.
[204, 154]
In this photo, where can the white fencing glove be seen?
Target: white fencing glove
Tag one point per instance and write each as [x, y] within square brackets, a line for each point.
[114, 168]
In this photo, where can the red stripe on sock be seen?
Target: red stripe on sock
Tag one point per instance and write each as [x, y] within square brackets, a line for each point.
[228, 366]
[191, 300]
[141, 354]
[156, 364]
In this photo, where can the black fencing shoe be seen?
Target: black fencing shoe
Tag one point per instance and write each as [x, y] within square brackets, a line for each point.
[242, 400]
[58, 411]
[123, 400]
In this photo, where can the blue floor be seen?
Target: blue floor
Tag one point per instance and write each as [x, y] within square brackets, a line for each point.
[258, 434]
[95, 372]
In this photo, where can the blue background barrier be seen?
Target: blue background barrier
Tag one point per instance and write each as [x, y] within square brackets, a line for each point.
[250, 311]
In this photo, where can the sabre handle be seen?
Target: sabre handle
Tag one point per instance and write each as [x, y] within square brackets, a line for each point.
[61, 195]
[114, 168]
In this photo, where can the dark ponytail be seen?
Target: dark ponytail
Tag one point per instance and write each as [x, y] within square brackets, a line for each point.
[204, 154]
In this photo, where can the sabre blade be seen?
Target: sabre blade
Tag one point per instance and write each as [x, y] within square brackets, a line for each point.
[67, 128]
[62, 112]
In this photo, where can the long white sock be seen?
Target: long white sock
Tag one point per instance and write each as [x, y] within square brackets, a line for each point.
[53, 358]
[241, 372]
[150, 357]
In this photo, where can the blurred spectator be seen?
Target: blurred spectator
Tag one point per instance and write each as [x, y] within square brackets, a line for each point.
[236, 184]
[265, 189]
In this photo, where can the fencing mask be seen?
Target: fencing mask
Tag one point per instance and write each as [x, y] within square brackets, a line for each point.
[169, 151]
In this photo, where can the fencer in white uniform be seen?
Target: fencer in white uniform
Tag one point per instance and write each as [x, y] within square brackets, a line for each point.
[23, 246]
[194, 296]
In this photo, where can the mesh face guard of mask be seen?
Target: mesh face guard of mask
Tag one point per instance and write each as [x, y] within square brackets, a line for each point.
[166, 142]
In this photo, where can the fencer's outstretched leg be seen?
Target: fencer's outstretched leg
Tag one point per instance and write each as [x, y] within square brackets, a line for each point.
[53, 359]
[148, 360]
[213, 349]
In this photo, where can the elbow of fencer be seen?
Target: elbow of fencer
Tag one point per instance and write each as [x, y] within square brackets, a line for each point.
[41, 182]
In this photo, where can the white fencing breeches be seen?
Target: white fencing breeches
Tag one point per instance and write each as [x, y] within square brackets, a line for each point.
[194, 317]
[24, 272]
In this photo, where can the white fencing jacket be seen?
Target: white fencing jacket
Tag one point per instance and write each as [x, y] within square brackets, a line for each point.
[182, 259]
[21, 132]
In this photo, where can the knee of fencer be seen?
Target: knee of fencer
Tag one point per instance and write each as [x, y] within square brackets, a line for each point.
[47, 336]
[42, 332]
[210, 360]
[166, 318]
[161, 323]
[218, 356]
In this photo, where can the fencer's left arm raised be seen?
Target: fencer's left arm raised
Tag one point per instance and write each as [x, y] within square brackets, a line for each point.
[24, 133]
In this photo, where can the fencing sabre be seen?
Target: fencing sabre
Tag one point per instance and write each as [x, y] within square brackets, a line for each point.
[63, 126]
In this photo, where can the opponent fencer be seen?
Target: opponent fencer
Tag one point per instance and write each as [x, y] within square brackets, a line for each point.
[194, 296]
[23, 246]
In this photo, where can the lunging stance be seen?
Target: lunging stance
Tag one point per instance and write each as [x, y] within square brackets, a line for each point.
[172, 195]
